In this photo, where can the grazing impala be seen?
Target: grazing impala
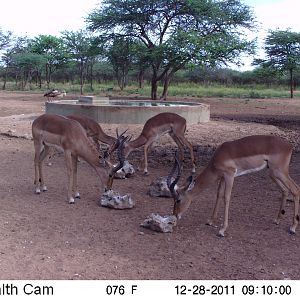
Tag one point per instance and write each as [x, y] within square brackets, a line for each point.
[67, 135]
[156, 126]
[235, 158]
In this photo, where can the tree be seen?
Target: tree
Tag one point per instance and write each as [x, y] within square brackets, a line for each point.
[54, 52]
[176, 32]
[283, 53]
[83, 49]
[18, 45]
[27, 64]
[5, 39]
[120, 55]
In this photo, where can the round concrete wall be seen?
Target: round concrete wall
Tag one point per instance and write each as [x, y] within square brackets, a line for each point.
[129, 112]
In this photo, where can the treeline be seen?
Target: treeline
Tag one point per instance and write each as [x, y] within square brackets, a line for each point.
[74, 58]
[152, 41]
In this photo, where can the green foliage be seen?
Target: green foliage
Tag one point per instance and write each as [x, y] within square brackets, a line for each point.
[5, 39]
[177, 32]
[283, 53]
[120, 55]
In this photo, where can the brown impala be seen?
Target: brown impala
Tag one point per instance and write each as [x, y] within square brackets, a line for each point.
[156, 126]
[67, 135]
[236, 158]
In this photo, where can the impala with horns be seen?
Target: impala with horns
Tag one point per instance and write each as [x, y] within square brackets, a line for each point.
[68, 135]
[156, 126]
[236, 158]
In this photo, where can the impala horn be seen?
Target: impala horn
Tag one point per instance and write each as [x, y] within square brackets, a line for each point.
[121, 140]
[176, 169]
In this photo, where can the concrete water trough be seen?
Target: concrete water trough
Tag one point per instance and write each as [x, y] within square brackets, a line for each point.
[104, 110]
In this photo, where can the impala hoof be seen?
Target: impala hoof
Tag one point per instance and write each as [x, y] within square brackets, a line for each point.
[292, 231]
[210, 223]
[221, 233]
[71, 201]
[37, 191]
[77, 196]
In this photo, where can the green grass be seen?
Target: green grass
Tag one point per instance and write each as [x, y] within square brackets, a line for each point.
[201, 91]
[178, 90]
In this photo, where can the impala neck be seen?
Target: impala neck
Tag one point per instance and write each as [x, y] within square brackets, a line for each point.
[207, 177]
[106, 139]
[89, 153]
[137, 143]
[202, 181]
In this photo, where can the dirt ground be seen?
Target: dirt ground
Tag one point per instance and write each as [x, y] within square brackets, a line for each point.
[44, 237]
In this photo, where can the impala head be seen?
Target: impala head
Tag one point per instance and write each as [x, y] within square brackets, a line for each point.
[181, 198]
[115, 146]
[120, 141]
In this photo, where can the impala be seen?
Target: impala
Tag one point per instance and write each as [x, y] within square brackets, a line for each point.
[156, 126]
[236, 158]
[68, 135]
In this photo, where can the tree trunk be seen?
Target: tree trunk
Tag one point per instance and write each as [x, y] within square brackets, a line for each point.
[81, 77]
[141, 78]
[4, 80]
[291, 83]
[91, 74]
[154, 84]
[166, 86]
[154, 89]
[47, 76]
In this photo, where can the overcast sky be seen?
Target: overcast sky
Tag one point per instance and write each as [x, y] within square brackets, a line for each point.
[34, 17]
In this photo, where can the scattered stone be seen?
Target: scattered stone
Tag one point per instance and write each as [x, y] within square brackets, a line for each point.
[159, 188]
[160, 223]
[114, 200]
[126, 171]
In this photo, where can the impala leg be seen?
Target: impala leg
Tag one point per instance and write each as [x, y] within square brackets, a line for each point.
[184, 141]
[41, 151]
[147, 145]
[228, 179]
[180, 146]
[75, 187]
[283, 177]
[70, 173]
[220, 196]
[45, 153]
[38, 148]
[285, 192]
[294, 190]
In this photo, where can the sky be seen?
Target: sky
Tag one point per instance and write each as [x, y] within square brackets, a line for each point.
[51, 17]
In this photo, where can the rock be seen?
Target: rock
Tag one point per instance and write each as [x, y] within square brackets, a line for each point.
[159, 188]
[114, 200]
[126, 171]
[160, 223]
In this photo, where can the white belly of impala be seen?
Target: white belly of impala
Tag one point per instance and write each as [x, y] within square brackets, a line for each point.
[59, 148]
[248, 171]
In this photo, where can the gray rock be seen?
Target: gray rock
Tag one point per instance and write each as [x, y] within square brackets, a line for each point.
[114, 200]
[160, 223]
[126, 171]
[159, 188]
